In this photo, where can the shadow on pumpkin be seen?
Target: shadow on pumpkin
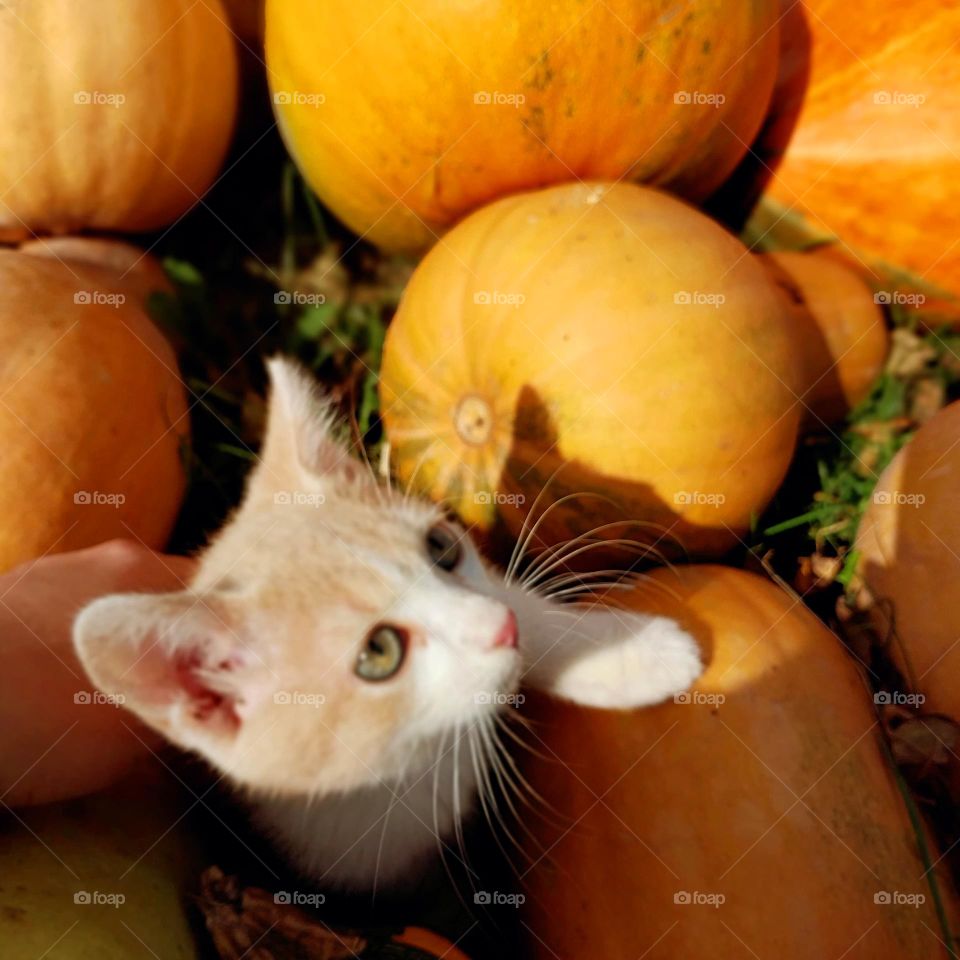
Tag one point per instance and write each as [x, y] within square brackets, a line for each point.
[732, 203]
[600, 508]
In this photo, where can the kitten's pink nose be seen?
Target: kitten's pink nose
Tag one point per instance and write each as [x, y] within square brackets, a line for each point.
[507, 637]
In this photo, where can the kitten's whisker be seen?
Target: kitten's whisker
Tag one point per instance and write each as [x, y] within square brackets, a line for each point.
[383, 832]
[501, 823]
[502, 770]
[587, 581]
[619, 542]
[531, 792]
[600, 590]
[520, 546]
[553, 506]
[557, 550]
[409, 485]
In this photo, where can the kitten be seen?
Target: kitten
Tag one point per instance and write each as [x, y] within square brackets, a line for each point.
[337, 643]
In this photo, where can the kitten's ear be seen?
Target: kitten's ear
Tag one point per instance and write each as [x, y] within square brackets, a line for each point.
[176, 661]
[299, 439]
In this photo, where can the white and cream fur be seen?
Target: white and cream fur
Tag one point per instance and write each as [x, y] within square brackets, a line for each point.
[253, 665]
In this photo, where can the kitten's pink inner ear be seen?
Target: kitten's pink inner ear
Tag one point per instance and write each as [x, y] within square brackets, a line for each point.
[214, 708]
[200, 688]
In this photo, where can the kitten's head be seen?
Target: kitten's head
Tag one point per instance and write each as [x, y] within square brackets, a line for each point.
[334, 629]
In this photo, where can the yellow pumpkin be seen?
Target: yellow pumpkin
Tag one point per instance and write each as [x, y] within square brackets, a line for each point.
[909, 545]
[93, 414]
[754, 816]
[109, 874]
[605, 341]
[406, 116]
[842, 332]
[117, 114]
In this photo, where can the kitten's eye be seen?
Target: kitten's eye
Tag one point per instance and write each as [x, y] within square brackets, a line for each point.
[382, 655]
[444, 547]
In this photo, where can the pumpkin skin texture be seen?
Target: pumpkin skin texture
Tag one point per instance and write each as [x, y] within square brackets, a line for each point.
[132, 164]
[776, 798]
[908, 556]
[91, 402]
[843, 333]
[868, 161]
[100, 837]
[543, 344]
[441, 107]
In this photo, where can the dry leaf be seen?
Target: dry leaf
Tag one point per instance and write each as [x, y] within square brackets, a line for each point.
[909, 355]
[248, 923]
[924, 740]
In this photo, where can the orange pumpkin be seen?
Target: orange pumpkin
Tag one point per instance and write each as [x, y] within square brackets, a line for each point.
[406, 116]
[117, 114]
[93, 415]
[606, 342]
[875, 158]
[842, 332]
[755, 817]
[909, 545]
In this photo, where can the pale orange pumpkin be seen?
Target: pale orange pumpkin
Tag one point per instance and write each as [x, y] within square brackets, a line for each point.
[875, 157]
[93, 415]
[117, 114]
[406, 116]
[842, 332]
[754, 817]
[909, 546]
[605, 343]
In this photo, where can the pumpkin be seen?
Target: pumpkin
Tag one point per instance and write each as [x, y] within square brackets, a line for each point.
[93, 414]
[117, 114]
[875, 157]
[406, 116]
[843, 334]
[909, 545]
[754, 816]
[605, 341]
[108, 873]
